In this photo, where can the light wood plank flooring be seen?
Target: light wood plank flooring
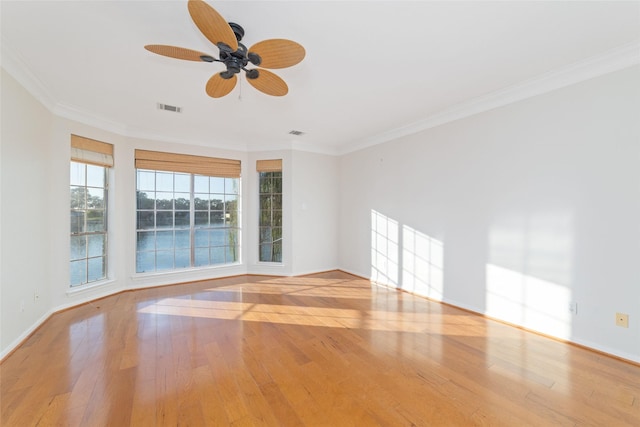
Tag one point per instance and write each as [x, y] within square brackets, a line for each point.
[322, 350]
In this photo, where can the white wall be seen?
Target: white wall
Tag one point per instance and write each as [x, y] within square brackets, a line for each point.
[25, 265]
[516, 212]
[315, 212]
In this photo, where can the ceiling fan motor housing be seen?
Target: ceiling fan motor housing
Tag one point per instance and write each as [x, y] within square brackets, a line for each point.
[234, 61]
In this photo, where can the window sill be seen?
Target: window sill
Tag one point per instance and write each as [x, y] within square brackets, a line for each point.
[270, 264]
[89, 287]
[160, 278]
[165, 273]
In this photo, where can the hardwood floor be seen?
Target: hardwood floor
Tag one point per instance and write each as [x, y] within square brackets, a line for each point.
[327, 349]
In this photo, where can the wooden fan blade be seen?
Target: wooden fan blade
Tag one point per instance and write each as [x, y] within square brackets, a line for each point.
[278, 53]
[176, 52]
[269, 83]
[217, 87]
[212, 24]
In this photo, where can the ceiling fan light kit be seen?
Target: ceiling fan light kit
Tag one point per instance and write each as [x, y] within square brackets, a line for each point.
[272, 53]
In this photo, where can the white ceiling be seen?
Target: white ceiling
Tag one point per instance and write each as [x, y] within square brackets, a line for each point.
[371, 69]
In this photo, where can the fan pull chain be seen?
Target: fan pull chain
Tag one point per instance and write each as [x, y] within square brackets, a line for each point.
[240, 90]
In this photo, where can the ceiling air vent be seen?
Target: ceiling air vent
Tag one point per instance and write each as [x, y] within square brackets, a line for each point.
[296, 132]
[171, 108]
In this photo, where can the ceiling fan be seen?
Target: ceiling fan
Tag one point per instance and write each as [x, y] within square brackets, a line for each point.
[272, 53]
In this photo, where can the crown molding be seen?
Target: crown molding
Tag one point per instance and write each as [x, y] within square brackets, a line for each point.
[80, 115]
[13, 64]
[617, 59]
[228, 145]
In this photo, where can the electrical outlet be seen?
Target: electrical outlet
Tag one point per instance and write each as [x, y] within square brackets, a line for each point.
[36, 295]
[22, 306]
[622, 320]
[573, 307]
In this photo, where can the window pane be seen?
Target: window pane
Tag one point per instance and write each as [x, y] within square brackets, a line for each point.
[182, 220]
[201, 202]
[200, 184]
[276, 200]
[202, 238]
[265, 218]
[182, 182]
[182, 201]
[78, 197]
[96, 269]
[164, 260]
[146, 180]
[217, 237]
[164, 181]
[145, 262]
[265, 252]
[217, 219]
[145, 199]
[231, 185]
[277, 184]
[232, 237]
[265, 202]
[78, 247]
[78, 272]
[95, 176]
[164, 201]
[277, 218]
[164, 240]
[276, 234]
[265, 183]
[96, 245]
[95, 198]
[164, 219]
[202, 257]
[146, 241]
[77, 222]
[265, 235]
[76, 174]
[232, 253]
[96, 220]
[145, 220]
[216, 255]
[201, 219]
[216, 185]
[217, 202]
[183, 239]
[277, 252]
[183, 258]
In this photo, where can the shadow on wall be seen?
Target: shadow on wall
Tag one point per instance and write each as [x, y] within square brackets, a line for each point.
[528, 270]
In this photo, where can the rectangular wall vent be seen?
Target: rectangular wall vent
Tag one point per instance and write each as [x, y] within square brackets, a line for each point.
[296, 132]
[171, 108]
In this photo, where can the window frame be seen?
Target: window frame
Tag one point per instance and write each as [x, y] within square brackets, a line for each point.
[86, 233]
[232, 228]
[274, 222]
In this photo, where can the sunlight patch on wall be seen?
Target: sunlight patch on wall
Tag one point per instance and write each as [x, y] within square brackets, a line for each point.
[529, 273]
[384, 249]
[528, 301]
[422, 263]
